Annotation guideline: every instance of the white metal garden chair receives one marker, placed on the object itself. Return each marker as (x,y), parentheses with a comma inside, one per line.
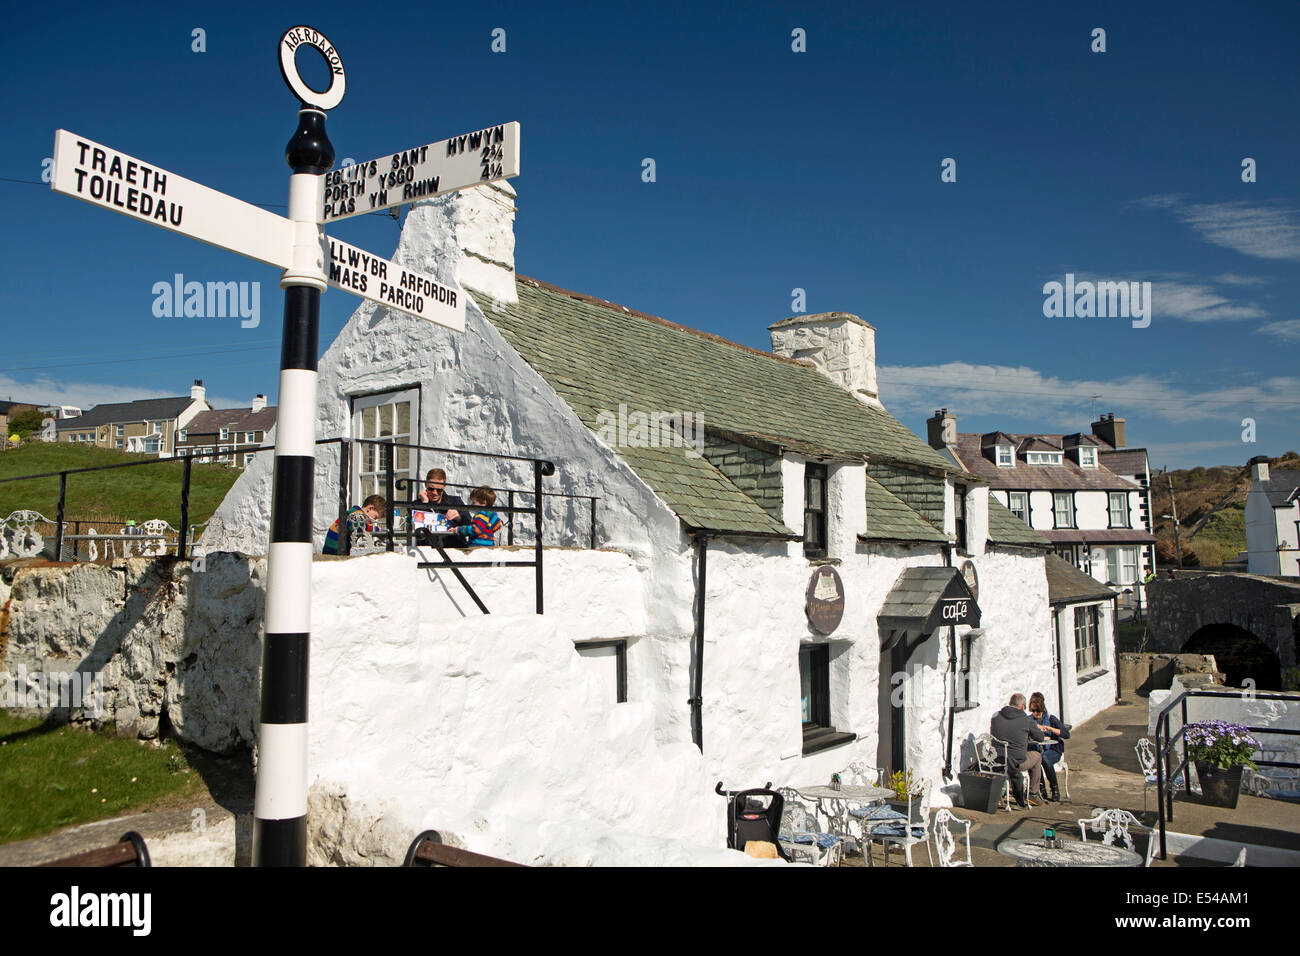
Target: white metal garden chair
(945,844)
(1146,754)
(905,833)
(991,757)
(802,836)
(1115,825)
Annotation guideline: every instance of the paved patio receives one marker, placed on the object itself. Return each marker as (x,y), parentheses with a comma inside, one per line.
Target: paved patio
(1104,773)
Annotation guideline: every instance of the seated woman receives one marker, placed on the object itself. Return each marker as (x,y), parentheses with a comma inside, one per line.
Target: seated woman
(1053,748)
(484,523)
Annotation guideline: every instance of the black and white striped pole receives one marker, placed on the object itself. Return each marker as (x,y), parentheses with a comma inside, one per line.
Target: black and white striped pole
(280,803)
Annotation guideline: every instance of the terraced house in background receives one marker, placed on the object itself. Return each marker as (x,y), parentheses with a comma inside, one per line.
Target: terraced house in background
(149,426)
(230,435)
(1088,494)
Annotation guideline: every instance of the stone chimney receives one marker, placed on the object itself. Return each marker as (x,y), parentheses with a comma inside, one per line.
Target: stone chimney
(1258,468)
(941,430)
(842,346)
(259,403)
(197,391)
(466,237)
(1110,430)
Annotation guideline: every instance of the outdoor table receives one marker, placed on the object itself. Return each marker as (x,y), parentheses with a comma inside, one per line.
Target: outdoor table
(846,794)
(1069,853)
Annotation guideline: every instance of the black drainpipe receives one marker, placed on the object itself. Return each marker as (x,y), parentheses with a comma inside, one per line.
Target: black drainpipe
(1060,670)
(952,671)
(697,694)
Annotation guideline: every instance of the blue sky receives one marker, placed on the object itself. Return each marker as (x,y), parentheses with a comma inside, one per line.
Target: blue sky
(775,171)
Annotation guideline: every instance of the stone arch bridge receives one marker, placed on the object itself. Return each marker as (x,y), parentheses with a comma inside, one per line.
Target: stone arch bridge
(1198,604)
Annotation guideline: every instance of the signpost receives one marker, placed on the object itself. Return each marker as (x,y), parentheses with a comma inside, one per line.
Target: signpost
(311,261)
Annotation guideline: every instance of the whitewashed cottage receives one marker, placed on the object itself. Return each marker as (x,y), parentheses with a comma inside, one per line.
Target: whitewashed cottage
(786,576)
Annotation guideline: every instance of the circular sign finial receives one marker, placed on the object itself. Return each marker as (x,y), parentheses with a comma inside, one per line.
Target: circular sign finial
(294,38)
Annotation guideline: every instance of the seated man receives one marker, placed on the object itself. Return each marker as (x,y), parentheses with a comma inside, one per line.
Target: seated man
(435,493)
(363,518)
(1015,728)
(484,523)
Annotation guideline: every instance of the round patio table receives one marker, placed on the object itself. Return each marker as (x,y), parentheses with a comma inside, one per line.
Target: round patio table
(1069,853)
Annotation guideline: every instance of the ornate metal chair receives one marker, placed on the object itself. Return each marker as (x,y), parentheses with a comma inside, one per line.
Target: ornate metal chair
(1146,754)
(945,845)
(991,756)
(1115,825)
(905,833)
(1272,781)
(18,534)
(802,837)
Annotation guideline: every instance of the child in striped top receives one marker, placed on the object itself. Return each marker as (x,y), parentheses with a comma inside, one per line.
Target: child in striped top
(484,522)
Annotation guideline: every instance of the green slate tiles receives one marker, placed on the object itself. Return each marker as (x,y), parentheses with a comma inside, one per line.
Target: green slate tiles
(1006,528)
(888,519)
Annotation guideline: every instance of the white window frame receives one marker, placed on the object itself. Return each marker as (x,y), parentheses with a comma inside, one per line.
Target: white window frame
(1005,452)
(1056,509)
(225,434)
(1011,504)
(1087,456)
(359,452)
(1124,509)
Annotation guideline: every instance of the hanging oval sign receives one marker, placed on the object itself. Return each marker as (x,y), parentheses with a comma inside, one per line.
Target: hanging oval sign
(825,600)
(972,579)
(294,38)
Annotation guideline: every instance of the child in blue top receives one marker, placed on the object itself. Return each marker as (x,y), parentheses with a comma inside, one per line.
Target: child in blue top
(484,523)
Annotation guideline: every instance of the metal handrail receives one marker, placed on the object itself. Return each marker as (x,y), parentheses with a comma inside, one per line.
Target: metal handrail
(1164,776)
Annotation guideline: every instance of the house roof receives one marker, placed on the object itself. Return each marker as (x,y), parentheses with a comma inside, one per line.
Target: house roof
(7,407)
(236,419)
(1006,528)
(1099,536)
(1066,584)
(145,410)
(1281,487)
(599,356)
(1022,476)
(1125,461)
(888,519)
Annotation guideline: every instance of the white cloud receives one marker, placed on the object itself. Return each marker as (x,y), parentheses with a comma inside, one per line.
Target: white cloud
(1288,331)
(1232,278)
(1263,231)
(1197,303)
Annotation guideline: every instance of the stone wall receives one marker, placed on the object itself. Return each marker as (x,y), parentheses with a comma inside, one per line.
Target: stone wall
(1181,603)
(921,492)
(1142,673)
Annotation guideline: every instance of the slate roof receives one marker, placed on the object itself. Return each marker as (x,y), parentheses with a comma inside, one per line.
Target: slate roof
(236,419)
(145,410)
(1006,528)
(888,519)
(1281,487)
(911,601)
(1066,584)
(1125,461)
(598,355)
(1021,476)
(1099,535)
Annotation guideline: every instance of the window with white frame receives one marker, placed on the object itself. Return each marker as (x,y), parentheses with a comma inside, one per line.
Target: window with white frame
(1122,565)
(1019,504)
(180,435)
(1063,508)
(1119,516)
(390,416)
(1005,457)
(1087,638)
(1043,457)
(1087,456)
(225,434)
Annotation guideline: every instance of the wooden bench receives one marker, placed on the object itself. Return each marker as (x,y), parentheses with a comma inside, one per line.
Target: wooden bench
(429,850)
(128,851)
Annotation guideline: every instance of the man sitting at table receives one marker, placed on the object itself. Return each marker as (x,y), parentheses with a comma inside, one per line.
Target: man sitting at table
(435,493)
(1015,728)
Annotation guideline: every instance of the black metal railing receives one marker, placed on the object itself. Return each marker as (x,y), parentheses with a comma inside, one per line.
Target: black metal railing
(60,520)
(1166,742)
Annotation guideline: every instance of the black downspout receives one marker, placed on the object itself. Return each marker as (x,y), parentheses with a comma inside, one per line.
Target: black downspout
(1060,670)
(697,694)
(952,670)
(1114,640)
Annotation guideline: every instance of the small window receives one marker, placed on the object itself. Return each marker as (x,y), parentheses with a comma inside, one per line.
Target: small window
(1119,517)
(959,510)
(1005,458)
(1087,456)
(225,434)
(1019,504)
(814,511)
(1087,647)
(1063,509)
(248,438)
(611,658)
(180,435)
(966,697)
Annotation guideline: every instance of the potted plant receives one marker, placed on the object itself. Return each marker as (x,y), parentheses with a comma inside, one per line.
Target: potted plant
(1219,750)
(907,789)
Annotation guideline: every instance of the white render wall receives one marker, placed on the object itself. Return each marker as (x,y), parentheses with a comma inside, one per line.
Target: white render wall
(1086,700)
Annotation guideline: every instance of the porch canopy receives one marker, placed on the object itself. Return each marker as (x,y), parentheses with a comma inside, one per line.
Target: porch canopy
(921,600)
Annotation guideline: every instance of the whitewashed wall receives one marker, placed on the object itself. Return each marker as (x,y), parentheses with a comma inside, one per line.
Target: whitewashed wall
(1086,700)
